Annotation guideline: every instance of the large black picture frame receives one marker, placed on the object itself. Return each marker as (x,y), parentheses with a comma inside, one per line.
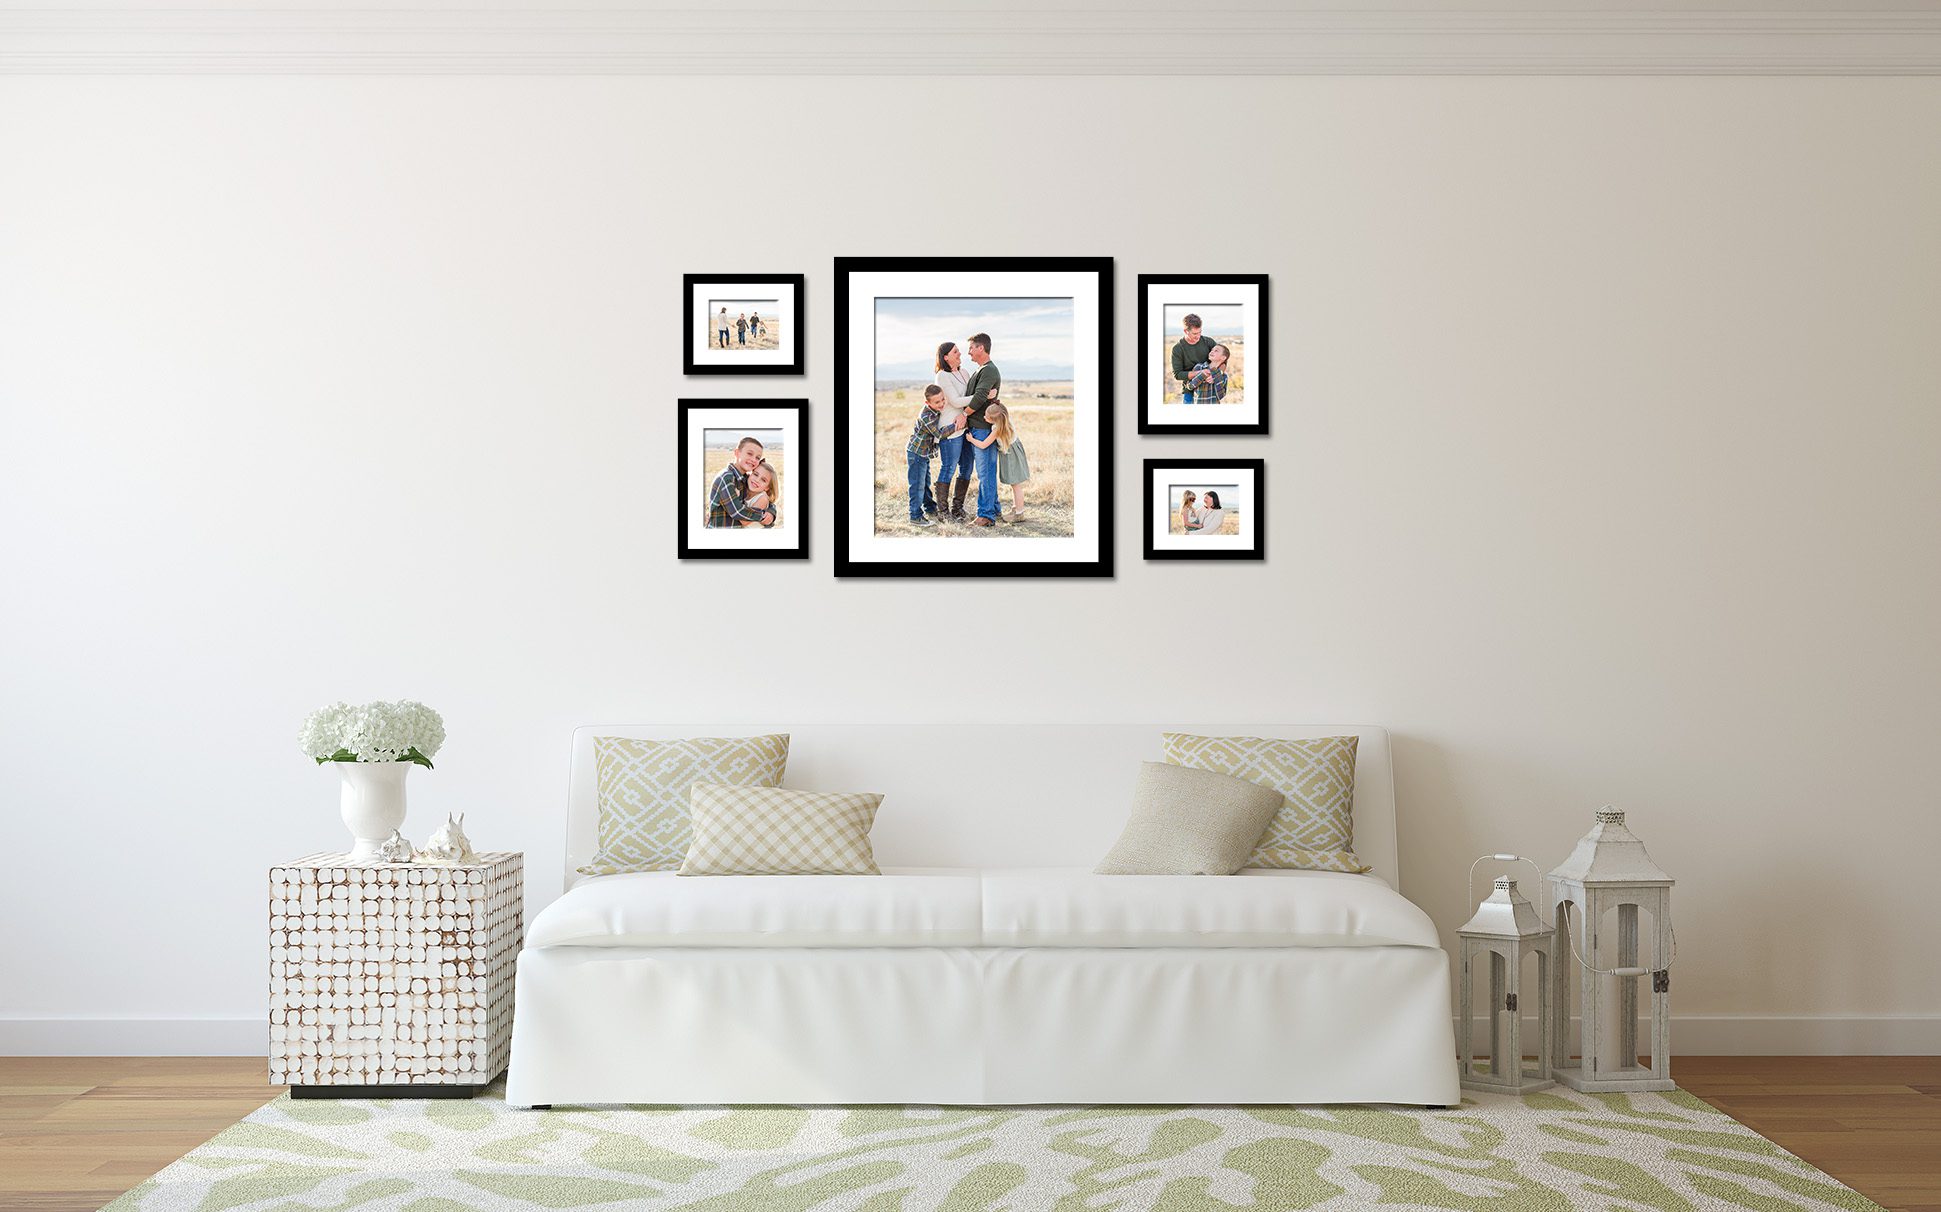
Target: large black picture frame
(1101,564)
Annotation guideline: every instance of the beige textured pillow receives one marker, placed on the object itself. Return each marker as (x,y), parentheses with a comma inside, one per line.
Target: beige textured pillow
(645,788)
(771,831)
(1315,827)
(1190,822)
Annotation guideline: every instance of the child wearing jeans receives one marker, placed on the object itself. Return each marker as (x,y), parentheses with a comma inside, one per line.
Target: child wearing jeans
(1208,382)
(923,444)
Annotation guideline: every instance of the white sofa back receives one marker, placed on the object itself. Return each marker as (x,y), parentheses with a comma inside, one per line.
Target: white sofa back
(1041,796)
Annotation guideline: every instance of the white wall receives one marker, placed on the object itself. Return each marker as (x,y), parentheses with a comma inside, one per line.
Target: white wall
(1603,469)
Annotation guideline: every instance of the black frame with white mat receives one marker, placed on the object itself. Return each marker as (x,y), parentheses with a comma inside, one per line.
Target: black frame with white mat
(1238,303)
(1245,480)
(699,357)
(788,538)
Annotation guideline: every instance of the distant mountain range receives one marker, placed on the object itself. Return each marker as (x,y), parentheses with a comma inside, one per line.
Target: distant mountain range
(1022,372)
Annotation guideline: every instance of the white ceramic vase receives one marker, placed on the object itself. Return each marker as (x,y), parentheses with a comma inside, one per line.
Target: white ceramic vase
(373,803)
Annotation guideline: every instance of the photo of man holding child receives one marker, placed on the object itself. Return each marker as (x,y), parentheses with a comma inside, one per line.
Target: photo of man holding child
(1203,354)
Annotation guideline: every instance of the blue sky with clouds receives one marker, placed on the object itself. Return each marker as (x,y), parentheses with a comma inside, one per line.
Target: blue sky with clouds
(1030,338)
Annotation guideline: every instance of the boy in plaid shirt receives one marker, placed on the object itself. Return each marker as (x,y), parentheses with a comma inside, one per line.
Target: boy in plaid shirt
(1208,382)
(728,495)
(923,444)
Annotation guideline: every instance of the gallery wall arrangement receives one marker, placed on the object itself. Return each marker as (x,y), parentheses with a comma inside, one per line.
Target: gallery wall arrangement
(973,416)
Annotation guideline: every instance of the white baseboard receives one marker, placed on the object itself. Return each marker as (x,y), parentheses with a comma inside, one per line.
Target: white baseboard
(1777,1035)
(134,1036)
(1691,1035)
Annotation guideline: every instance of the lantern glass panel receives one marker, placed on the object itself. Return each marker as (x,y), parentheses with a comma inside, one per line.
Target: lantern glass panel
(1626,937)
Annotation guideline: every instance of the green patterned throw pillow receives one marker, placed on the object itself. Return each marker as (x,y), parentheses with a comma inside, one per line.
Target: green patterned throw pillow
(645,789)
(770,831)
(1315,827)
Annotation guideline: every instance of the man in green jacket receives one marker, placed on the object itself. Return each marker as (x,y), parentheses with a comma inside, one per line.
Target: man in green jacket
(1191,350)
(982,390)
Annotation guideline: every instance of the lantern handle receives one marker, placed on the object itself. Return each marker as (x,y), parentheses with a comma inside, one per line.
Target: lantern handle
(1469,885)
(1563,925)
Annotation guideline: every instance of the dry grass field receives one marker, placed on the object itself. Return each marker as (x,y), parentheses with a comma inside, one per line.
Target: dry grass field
(1228,525)
(1042,415)
(716,459)
(771,337)
(1236,369)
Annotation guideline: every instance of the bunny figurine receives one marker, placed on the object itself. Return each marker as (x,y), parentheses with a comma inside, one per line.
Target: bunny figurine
(395,849)
(449,844)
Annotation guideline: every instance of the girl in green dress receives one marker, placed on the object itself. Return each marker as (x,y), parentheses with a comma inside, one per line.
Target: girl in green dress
(1013,467)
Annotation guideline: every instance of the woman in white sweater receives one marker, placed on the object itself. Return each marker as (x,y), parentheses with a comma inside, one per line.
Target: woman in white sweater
(957,456)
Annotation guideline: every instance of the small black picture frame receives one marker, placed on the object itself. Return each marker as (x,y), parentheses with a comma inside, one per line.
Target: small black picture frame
(695,473)
(1157,415)
(1248,475)
(700,356)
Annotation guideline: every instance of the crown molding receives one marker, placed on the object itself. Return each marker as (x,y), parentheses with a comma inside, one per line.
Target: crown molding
(798,37)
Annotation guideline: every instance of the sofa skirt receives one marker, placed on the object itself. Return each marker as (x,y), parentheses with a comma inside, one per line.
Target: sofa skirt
(981,1026)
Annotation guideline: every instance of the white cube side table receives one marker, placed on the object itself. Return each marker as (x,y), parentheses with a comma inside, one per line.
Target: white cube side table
(393,980)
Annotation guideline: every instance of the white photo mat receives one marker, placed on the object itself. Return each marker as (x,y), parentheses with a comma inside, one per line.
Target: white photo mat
(865,287)
(705,354)
(1162,295)
(1164,479)
(784,535)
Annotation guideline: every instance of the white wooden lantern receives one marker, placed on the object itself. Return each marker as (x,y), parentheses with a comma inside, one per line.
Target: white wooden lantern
(1597,896)
(1504,930)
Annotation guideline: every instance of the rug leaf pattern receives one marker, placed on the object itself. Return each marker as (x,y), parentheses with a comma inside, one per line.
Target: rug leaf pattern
(1550,1152)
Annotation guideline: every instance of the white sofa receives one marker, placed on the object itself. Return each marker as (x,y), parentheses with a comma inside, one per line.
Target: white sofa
(963,976)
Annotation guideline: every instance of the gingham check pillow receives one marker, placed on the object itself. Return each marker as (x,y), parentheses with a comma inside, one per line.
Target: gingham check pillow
(773,831)
(1315,827)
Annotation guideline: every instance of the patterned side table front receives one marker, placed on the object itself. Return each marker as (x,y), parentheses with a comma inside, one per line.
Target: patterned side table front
(392,979)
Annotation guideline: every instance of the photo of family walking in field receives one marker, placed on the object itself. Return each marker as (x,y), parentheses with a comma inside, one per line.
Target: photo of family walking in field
(974,417)
(743,324)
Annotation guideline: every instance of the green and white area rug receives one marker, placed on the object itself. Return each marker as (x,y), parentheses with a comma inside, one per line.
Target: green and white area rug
(1550,1151)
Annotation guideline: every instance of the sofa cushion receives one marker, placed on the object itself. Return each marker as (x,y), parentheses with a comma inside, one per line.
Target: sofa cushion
(960,907)
(646,787)
(1055,907)
(902,907)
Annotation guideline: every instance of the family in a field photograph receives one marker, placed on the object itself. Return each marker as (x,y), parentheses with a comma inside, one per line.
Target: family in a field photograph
(743,326)
(966,437)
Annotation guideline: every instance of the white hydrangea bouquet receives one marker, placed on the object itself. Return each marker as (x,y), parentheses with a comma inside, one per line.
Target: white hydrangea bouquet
(403,731)
(374,745)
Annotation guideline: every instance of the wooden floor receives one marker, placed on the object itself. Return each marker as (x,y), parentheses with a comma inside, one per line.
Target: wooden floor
(77,1131)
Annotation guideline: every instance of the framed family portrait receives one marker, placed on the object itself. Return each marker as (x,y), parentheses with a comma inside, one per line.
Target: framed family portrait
(743,324)
(744,479)
(973,416)
(1203,354)
(1206,509)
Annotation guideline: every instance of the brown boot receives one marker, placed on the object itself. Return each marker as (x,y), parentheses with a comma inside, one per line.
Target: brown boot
(943,499)
(957,500)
